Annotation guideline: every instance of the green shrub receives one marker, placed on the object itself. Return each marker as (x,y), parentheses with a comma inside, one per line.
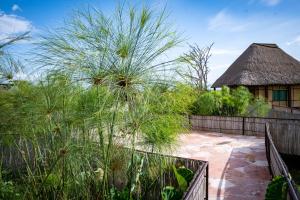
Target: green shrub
(183,96)
(92,100)
(205,104)
(226,102)
(242,98)
(259,108)
(170,193)
(8,190)
(277,189)
(183,176)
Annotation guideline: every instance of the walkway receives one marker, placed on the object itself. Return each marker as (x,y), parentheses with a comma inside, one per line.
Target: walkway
(238,169)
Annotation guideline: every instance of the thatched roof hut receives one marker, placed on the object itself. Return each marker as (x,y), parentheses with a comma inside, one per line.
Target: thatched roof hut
(268,72)
(261,64)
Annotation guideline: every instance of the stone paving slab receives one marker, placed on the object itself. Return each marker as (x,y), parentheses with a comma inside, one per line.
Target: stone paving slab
(238,168)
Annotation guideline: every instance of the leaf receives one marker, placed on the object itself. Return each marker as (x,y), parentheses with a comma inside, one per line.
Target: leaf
(168,192)
(186,173)
(180,179)
(276,189)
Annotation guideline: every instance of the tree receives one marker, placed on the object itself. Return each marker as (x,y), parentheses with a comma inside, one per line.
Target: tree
(197,66)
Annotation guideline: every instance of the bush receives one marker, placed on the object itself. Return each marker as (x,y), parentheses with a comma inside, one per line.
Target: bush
(258,108)
(226,102)
(207,103)
(182,97)
(277,189)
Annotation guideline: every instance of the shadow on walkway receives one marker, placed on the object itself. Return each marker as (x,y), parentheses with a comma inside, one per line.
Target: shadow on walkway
(245,175)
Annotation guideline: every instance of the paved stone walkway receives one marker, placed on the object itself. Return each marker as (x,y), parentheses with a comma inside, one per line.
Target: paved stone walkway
(238,169)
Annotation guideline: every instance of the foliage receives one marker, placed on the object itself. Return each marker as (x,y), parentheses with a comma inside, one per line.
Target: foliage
(277,189)
(101,89)
(119,195)
(183,176)
(226,102)
(182,97)
(170,193)
(259,107)
(7,188)
(207,103)
(241,100)
(182,182)
(186,173)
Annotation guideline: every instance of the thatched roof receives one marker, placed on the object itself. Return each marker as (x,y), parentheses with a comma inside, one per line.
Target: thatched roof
(261,64)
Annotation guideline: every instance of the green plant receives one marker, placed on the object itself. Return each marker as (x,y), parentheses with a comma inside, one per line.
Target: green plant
(182,96)
(182,182)
(119,195)
(183,176)
(170,193)
(207,103)
(259,108)
(242,99)
(8,191)
(99,84)
(229,102)
(186,173)
(277,189)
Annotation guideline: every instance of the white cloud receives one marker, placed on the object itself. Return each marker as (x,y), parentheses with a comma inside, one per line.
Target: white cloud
(294,41)
(12,24)
(224,21)
(16,7)
(271,2)
(265,2)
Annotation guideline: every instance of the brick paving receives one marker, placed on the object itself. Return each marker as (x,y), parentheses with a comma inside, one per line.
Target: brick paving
(238,169)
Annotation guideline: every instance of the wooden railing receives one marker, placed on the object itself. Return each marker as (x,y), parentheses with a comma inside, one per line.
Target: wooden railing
(198,188)
(278,167)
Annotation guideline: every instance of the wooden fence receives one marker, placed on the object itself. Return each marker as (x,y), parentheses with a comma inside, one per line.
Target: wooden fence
(278,167)
(285,132)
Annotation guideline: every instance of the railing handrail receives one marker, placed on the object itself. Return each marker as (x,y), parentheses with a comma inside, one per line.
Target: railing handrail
(283,168)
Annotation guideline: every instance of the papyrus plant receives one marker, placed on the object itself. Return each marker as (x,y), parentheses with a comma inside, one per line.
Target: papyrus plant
(116,59)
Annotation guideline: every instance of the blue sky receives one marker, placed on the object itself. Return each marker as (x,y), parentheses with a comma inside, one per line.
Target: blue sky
(231,24)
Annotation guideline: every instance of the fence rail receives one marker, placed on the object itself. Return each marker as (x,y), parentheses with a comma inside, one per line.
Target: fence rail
(277,166)
(284,131)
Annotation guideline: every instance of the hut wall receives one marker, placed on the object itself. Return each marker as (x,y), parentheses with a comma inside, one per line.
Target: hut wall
(261,92)
(258,92)
(295,95)
(277,103)
(266,92)
(270,95)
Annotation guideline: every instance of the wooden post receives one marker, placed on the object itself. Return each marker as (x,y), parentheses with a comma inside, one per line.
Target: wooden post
(207,180)
(289,97)
(266,94)
(243,125)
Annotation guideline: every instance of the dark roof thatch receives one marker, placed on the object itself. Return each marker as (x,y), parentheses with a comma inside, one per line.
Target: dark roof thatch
(261,64)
